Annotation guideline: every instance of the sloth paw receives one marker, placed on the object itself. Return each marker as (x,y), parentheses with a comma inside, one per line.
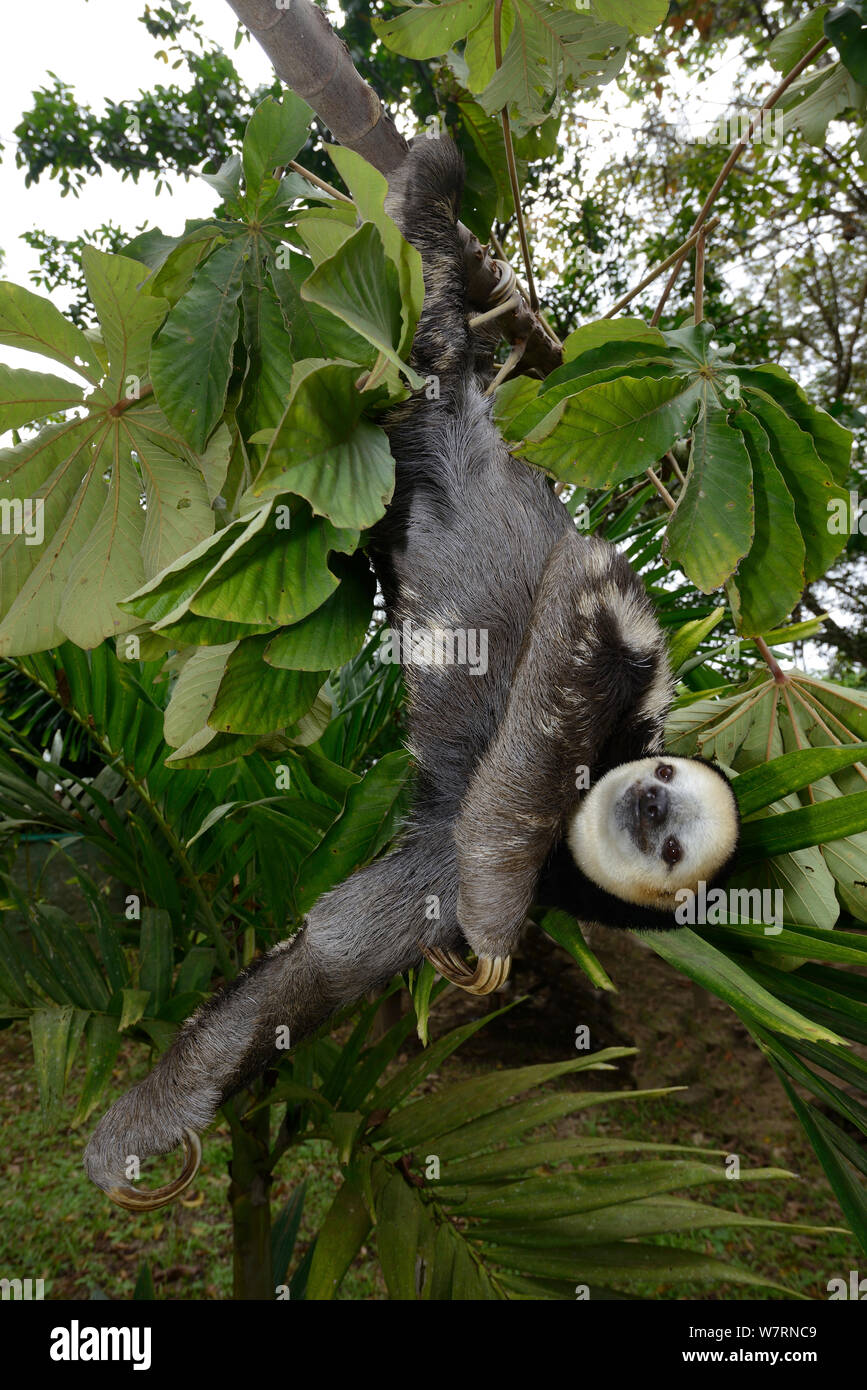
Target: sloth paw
(489,974)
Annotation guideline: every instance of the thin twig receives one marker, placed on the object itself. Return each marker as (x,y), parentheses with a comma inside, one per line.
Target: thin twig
(661,489)
(512,165)
(660,269)
(771,662)
(320,183)
(733,159)
(699,276)
(509,365)
(675,466)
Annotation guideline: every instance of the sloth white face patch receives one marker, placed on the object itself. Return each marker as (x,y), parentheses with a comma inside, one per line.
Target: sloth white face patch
(652,827)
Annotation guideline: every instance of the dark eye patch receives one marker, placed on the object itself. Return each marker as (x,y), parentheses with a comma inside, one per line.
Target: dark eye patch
(672,851)
(665,772)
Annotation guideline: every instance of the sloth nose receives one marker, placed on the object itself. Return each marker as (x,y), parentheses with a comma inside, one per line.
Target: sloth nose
(653,804)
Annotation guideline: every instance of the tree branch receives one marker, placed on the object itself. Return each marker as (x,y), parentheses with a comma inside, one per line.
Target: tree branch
(310,58)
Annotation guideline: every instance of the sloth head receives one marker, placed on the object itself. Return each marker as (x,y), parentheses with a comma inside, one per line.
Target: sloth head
(652,827)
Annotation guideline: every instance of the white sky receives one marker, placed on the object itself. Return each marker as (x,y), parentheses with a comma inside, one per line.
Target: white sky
(101,49)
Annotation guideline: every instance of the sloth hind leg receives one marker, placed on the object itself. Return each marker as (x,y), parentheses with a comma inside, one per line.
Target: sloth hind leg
(355,939)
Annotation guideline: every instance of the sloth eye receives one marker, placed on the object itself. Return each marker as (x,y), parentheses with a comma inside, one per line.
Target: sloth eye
(665,772)
(672,851)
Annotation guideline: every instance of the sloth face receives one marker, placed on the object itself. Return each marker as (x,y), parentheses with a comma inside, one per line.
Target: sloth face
(651,827)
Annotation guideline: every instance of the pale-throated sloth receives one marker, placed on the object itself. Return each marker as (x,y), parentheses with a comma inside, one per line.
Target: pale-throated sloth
(575,693)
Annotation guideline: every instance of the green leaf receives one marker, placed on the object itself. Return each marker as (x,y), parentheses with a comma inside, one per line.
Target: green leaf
(178,513)
(401,1219)
(620,333)
(542,1199)
(108,564)
(172,273)
(325,451)
(254,698)
(191,359)
(325,230)
(850,1194)
(546,47)
(686,639)
(157,956)
(790,45)
(166,597)
(364,828)
(27,396)
(770,579)
(814,100)
(226,181)
(340,1238)
(430,1118)
(712,526)
(128,314)
(194,975)
(50,1031)
(759,786)
(284,1234)
(811,825)
(833,443)
(567,933)
(278,575)
(619,1266)
(134,1002)
(33,577)
(194,693)
(428,30)
(369,189)
(807,478)
(422,983)
(313,332)
(359,284)
(32,323)
(334,632)
(723,977)
(613,430)
(845,26)
(641,16)
(275,133)
(103,1045)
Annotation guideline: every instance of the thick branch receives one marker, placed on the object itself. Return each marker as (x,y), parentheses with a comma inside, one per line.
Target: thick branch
(309,57)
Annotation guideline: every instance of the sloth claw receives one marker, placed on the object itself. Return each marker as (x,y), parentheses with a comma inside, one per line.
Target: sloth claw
(140,1199)
(489,974)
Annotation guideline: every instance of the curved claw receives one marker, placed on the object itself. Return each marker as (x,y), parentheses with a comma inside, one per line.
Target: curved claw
(489,974)
(140,1199)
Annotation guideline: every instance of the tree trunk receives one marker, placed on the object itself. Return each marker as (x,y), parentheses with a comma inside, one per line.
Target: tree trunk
(249,1198)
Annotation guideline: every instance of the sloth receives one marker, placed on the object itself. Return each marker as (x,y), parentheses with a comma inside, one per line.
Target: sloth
(541,779)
